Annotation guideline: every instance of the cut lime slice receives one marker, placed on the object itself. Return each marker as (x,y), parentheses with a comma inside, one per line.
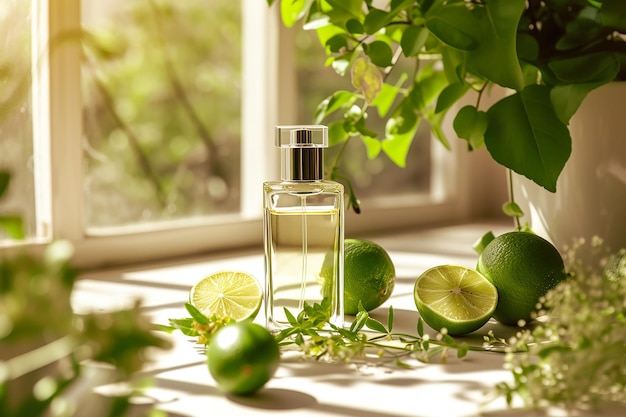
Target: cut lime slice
(232,294)
(455,297)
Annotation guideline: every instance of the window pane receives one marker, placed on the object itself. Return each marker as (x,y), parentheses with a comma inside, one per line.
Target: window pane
(372,179)
(162,109)
(16,133)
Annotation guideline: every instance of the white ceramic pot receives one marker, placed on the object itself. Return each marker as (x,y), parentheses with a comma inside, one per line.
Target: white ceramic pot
(591,191)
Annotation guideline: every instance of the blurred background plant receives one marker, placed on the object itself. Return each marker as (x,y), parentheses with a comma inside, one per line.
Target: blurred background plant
(162,123)
(50,356)
(48,353)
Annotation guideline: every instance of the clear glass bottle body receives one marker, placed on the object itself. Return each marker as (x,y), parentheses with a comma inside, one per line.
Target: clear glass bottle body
(304,235)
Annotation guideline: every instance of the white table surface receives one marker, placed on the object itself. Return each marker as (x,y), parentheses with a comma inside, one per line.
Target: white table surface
(184,387)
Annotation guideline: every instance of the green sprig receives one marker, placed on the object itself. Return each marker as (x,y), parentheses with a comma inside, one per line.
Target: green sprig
(315,336)
(312,333)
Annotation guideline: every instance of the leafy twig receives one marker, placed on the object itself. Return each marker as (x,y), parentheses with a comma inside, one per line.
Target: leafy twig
(313,334)
(316,337)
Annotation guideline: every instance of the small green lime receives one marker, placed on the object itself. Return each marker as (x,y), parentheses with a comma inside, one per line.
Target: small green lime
(369,275)
(242,357)
(523,267)
(455,297)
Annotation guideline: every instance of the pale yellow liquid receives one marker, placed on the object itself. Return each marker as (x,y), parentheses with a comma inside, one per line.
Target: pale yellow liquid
(299,243)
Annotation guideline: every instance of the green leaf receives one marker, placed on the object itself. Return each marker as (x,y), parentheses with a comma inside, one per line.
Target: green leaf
(427,87)
(367,78)
(396,146)
(436,121)
(185,325)
(413,40)
(348,8)
(454,64)
(450,95)
(482,243)
(290,317)
(385,99)
(454,24)
(403,365)
(461,350)
(498,21)
(293,10)
(336,133)
(420,327)
(380,53)
(613,14)
(359,322)
(374,324)
(375,20)
(5,178)
(600,67)
(13,226)
(566,99)
(372,146)
(578,33)
(527,47)
(333,103)
(337,43)
(196,314)
(324,33)
(355,27)
(390,318)
(526,135)
(512,209)
(486,32)
(470,124)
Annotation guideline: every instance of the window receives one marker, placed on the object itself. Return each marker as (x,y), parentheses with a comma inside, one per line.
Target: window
(16,145)
(152,128)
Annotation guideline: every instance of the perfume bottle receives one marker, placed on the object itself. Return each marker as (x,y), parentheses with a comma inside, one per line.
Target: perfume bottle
(304,230)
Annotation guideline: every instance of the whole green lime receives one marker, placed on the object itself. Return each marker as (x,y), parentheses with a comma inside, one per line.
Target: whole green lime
(369,275)
(242,357)
(523,267)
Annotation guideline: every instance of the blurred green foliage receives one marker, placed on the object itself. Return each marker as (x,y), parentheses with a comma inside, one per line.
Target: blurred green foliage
(162,96)
(47,350)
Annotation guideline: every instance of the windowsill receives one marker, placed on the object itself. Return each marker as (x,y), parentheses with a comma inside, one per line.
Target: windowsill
(184,387)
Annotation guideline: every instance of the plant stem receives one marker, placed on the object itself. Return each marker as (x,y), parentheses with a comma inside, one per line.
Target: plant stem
(512,197)
(335,164)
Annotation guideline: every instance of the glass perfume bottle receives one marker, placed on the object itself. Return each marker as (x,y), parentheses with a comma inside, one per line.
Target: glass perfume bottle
(304,231)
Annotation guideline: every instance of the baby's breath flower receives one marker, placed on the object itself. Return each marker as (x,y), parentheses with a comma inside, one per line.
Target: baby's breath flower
(574,358)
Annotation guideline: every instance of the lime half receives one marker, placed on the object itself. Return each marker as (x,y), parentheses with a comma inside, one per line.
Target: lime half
(232,294)
(455,297)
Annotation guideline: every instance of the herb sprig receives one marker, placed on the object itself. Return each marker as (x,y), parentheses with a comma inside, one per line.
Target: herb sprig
(198,325)
(314,336)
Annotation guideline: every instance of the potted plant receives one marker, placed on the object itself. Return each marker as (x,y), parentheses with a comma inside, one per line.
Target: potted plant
(549,54)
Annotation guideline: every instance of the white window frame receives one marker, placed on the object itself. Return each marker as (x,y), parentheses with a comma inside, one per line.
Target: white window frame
(268,99)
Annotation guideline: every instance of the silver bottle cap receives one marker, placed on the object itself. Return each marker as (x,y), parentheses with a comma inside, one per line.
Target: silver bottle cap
(302,151)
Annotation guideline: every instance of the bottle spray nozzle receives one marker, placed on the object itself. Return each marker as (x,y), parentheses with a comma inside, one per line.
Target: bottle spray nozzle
(302,157)
(301,135)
